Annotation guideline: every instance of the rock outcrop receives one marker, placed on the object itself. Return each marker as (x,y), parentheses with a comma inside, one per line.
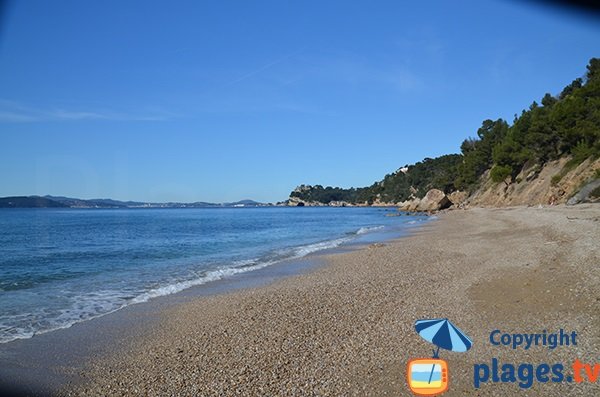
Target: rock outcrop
(551,184)
(556,182)
(458,198)
(409,205)
(586,193)
(298,202)
(434,200)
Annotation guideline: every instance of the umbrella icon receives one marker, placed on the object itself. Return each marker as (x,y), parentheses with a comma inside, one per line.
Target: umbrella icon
(442,333)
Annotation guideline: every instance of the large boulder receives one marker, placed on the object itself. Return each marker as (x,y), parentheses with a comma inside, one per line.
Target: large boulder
(409,205)
(434,200)
(585,194)
(414,204)
(458,197)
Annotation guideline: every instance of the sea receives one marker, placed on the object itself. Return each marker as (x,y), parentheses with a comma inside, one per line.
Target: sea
(59,267)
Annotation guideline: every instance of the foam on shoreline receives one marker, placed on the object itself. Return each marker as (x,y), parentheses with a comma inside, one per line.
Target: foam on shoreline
(94,305)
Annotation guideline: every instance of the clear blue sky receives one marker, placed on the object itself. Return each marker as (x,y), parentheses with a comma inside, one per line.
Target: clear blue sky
(225,100)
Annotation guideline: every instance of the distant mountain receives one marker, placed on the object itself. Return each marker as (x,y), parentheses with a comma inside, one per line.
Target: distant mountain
(71,202)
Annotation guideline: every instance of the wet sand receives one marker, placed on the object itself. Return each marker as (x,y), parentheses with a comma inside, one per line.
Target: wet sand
(348,328)
(51,361)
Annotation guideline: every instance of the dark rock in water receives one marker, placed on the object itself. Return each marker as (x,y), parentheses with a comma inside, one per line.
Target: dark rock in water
(583,196)
(300,204)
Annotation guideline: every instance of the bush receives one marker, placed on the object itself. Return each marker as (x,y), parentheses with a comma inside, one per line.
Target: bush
(499,173)
(580,152)
(595,193)
(555,179)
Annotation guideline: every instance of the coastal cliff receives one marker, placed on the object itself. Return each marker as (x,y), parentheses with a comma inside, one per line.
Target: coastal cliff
(557,182)
(554,183)
(548,155)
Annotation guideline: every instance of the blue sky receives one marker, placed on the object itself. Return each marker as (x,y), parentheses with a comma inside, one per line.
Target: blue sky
(225,100)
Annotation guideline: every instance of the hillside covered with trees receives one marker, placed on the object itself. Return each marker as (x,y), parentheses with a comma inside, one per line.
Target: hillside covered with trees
(567,124)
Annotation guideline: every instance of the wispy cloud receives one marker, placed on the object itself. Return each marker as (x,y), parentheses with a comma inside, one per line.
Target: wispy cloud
(354,71)
(262,68)
(331,69)
(16,112)
(248,105)
(14,117)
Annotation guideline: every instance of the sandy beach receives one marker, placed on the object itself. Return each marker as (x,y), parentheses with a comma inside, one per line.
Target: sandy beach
(347,328)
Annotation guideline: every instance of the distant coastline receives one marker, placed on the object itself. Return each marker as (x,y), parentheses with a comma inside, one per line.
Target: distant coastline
(70,202)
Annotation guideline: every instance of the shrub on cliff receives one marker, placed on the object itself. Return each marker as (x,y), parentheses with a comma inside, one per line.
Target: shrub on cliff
(563,125)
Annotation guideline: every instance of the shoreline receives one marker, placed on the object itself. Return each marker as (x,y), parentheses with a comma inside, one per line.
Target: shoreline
(201,270)
(50,361)
(53,360)
(347,328)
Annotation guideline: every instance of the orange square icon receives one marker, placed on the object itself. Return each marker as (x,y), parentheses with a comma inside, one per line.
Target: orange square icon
(427,376)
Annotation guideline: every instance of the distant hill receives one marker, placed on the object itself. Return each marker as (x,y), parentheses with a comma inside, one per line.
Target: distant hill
(244,203)
(93,203)
(71,202)
(29,202)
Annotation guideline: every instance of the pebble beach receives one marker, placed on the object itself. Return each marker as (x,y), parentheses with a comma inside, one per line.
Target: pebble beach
(347,328)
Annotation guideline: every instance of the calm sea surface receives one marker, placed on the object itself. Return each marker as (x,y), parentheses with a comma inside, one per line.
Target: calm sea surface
(62,266)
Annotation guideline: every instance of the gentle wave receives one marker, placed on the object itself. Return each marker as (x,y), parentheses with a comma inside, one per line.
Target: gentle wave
(310,248)
(90,306)
(246,265)
(213,275)
(364,230)
(101,303)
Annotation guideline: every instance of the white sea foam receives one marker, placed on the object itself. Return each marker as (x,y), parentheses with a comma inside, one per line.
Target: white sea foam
(246,265)
(212,275)
(310,248)
(364,230)
(85,307)
(91,305)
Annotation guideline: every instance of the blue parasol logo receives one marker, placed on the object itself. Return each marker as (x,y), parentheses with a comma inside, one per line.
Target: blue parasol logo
(442,333)
(428,377)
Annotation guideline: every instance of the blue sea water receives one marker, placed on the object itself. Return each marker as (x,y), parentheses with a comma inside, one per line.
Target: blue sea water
(62,266)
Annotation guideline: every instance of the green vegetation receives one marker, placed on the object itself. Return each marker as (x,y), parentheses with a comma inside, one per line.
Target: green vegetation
(555,179)
(328,194)
(563,125)
(478,153)
(500,173)
(438,173)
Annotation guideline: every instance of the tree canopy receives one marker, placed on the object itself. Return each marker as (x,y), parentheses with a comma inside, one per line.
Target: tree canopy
(564,125)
